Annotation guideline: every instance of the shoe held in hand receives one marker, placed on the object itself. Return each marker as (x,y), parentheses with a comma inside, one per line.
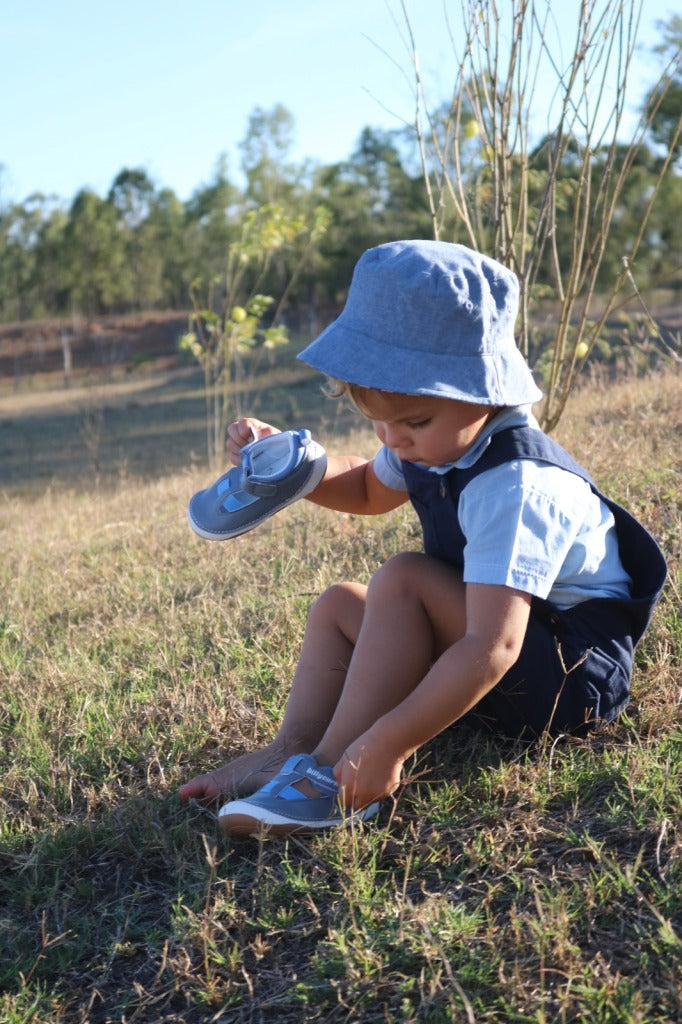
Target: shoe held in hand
(274,472)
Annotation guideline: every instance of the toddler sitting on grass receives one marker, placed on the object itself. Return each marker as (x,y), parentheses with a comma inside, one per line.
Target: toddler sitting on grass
(523,611)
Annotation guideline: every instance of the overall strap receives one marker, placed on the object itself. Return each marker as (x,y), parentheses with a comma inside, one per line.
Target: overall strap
(523,443)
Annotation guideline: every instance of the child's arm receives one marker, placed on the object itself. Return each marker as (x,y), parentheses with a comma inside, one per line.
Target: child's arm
(497,618)
(349,484)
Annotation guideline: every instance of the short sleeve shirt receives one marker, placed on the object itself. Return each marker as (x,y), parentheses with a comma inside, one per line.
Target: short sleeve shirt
(530,525)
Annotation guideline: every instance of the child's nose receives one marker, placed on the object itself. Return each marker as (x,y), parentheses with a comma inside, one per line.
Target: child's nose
(393,436)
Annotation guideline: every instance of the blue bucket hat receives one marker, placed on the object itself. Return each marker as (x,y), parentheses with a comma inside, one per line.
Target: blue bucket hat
(429,318)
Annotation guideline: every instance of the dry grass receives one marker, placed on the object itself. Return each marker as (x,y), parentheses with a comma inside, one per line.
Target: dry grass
(504,886)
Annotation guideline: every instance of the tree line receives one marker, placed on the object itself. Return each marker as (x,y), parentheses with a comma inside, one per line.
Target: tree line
(141,248)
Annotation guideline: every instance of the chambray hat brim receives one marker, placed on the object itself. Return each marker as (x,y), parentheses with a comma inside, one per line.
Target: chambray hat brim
(429,318)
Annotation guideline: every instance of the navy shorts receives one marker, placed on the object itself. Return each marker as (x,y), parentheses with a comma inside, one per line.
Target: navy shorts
(573,673)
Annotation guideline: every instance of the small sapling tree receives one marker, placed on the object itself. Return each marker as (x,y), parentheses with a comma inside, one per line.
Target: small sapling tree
(234,323)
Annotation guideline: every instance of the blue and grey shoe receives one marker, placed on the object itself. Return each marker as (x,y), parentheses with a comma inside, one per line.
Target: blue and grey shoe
(274,472)
(278,808)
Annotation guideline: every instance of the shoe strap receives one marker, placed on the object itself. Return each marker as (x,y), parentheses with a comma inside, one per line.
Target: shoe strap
(320,780)
(258,488)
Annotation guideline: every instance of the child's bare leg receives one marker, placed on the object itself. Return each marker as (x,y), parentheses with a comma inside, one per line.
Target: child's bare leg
(415,610)
(333,626)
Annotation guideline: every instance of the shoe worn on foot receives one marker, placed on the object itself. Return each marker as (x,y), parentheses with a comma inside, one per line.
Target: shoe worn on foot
(278,808)
(274,472)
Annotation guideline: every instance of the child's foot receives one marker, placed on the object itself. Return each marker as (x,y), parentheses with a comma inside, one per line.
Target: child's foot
(280,807)
(239,777)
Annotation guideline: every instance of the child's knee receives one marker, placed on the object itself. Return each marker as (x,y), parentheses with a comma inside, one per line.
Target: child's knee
(396,576)
(334,603)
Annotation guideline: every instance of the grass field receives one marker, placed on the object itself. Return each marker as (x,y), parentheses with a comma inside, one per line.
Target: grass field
(502,886)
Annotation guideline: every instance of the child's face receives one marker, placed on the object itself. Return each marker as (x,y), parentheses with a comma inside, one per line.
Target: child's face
(419,428)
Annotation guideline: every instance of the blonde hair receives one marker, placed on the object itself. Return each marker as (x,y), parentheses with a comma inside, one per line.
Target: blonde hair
(357,393)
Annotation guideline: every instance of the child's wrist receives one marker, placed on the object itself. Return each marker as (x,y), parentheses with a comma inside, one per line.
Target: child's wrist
(384,736)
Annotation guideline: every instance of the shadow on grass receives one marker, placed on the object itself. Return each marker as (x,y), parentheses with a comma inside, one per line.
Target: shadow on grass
(104,917)
(145,908)
(146,914)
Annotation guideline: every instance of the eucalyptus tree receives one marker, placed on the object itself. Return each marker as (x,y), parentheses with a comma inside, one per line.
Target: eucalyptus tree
(663,107)
(30,253)
(51,280)
(274,180)
(168,223)
(372,198)
(665,99)
(132,196)
(210,222)
(270,175)
(99,278)
(16,261)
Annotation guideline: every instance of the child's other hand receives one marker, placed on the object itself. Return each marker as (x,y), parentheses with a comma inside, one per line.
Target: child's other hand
(244,430)
(365,773)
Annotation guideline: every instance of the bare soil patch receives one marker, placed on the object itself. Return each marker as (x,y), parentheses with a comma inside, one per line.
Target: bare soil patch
(42,348)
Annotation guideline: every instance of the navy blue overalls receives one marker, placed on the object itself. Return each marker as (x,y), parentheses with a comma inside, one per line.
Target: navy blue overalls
(575,665)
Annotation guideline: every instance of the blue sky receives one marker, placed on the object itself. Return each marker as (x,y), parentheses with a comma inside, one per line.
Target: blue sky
(88,88)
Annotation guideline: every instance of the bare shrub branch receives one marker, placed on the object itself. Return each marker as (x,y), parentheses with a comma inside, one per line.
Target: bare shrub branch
(497,183)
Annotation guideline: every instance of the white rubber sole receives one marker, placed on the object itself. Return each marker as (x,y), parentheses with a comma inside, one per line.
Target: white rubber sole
(240,820)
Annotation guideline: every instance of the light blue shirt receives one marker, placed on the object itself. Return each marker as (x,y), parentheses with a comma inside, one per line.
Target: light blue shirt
(530,525)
